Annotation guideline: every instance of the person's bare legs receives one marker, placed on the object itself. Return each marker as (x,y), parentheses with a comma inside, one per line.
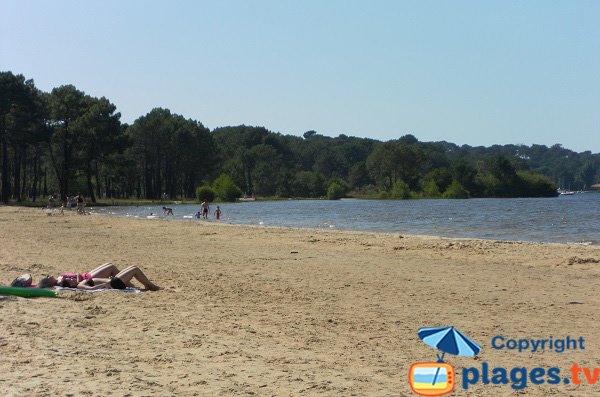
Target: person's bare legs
(135,272)
(106,270)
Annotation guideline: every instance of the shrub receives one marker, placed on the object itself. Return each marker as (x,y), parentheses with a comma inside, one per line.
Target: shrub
(400,190)
(335,191)
(455,191)
(440,176)
(535,185)
(368,191)
(431,190)
(308,184)
(226,189)
(490,185)
(205,193)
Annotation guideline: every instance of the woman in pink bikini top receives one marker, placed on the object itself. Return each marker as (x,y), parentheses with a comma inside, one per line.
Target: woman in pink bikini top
(72,280)
(104,276)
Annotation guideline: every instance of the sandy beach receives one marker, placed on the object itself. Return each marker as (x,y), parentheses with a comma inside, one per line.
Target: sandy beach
(281,312)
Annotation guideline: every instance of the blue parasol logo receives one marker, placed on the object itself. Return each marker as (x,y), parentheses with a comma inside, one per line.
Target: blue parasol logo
(437,378)
(449,340)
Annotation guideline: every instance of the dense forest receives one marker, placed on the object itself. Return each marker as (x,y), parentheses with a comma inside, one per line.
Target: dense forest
(66,141)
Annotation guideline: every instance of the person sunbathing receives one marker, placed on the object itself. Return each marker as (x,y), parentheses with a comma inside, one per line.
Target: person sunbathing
(104,276)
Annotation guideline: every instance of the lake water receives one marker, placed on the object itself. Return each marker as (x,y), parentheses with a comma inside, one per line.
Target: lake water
(574,219)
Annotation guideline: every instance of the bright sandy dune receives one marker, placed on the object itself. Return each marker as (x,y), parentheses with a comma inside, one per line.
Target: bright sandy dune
(280,312)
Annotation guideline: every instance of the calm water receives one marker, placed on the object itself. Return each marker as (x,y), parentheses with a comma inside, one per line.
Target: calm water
(562,219)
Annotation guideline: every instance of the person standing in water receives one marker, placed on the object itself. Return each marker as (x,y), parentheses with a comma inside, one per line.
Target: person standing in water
(218,213)
(80,204)
(204,207)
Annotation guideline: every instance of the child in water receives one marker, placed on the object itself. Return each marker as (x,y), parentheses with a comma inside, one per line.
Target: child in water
(218,213)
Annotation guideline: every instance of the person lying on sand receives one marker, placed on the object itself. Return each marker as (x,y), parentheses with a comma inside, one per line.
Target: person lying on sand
(104,276)
(23,281)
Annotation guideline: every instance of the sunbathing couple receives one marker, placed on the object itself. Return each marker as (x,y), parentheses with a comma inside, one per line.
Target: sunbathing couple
(102,277)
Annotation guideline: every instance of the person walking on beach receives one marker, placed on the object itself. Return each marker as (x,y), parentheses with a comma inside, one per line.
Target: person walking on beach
(218,213)
(204,207)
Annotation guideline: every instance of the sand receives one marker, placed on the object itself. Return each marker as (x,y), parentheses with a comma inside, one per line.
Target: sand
(281,312)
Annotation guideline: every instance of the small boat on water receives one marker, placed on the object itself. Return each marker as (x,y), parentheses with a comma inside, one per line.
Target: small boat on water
(564,192)
(247,199)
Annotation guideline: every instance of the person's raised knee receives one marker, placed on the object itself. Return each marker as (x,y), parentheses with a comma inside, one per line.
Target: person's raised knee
(131,268)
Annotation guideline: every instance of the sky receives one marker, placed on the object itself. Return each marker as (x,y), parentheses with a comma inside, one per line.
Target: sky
(467,72)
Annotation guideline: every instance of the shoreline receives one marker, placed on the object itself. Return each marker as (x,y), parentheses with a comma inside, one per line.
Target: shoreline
(340,230)
(249,309)
(454,221)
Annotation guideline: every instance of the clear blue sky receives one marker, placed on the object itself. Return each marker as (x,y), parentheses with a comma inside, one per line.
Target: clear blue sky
(468,72)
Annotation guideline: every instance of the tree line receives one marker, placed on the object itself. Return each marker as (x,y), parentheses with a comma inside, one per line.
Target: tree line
(66,141)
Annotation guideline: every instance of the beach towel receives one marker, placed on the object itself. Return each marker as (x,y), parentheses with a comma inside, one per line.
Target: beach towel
(130,290)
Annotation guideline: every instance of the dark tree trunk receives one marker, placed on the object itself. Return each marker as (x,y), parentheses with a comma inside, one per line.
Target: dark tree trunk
(5,178)
(17,174)
(157,177)
(24,166)
(147,178)
(45,185)
(98,179)
(64,188)
(90,185)
(107,187)
(34,189)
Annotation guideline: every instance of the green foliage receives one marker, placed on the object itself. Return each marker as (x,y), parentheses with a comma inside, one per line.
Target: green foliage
(408,139)
(358,175)
(400,190)
(393,161)
(225,189)
(455,191)
(535,185)
(173,154)
(66,140)
(336,191)
(365,192)
(490,185)
(205,193)
(465,174)
(440,176)
(308,184)
(431,190)
(501,168)
(435,182)
(67,107)
(501,179)
(22,126)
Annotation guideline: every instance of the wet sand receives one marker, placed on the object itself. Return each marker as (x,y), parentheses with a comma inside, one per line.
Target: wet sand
(281,312)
